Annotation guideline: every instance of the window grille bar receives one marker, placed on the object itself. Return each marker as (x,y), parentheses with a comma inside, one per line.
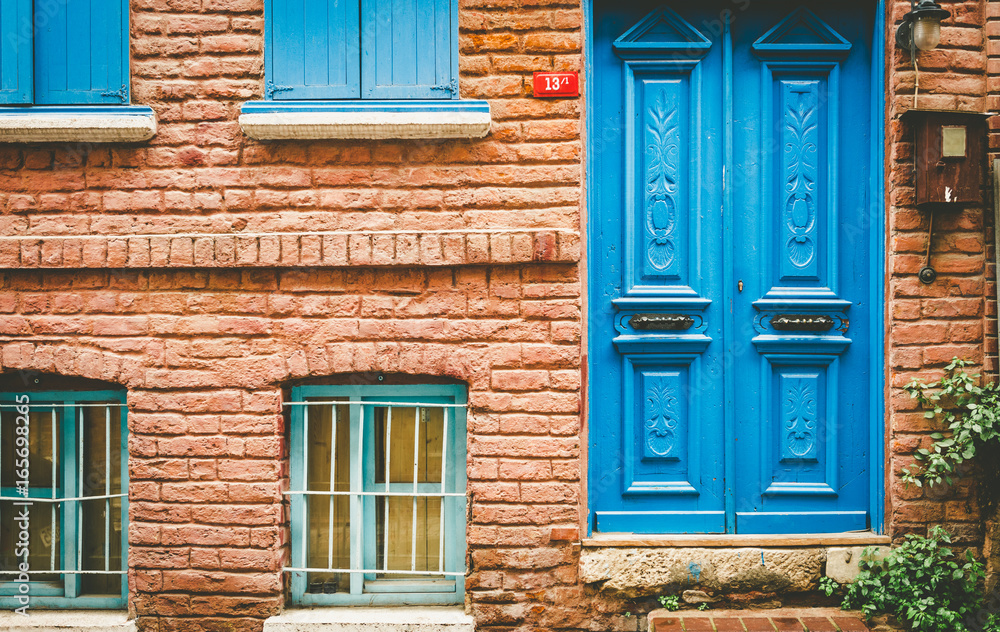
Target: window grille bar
(72,500)
(74,405)
(444,469)
(52,507)
(357,571)
(356,528)
(333,474)
(305,481)
(107,487)
(78,515)
(416,468)
(355,402)
(385,501)
(63,571)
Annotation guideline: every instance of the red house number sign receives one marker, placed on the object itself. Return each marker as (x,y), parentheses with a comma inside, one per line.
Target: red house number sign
(556,84)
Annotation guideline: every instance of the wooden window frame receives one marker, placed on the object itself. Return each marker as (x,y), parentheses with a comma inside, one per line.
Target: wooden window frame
(362,74)
(66,408)
(361,402)
(29,53)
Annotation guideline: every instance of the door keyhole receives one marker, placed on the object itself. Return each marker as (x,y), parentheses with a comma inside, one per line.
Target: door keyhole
(740,285)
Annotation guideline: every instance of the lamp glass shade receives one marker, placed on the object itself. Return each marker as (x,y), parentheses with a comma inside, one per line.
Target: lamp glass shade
(926,33)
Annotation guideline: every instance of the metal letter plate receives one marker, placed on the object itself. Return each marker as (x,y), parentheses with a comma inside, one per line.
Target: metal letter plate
(802,322)
(661,322)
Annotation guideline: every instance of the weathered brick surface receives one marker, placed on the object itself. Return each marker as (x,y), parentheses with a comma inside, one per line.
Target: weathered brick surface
(928,325)
(203,271)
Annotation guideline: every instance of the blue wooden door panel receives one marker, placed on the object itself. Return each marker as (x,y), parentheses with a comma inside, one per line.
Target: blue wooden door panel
(410,49)
(81,52)
(768,523)
(657,422)
(16,57)
(683,96)
(313,49)
(802,427)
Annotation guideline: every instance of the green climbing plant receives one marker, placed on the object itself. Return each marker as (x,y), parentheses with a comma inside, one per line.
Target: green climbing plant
(971,415)
(924,584)
(828,586)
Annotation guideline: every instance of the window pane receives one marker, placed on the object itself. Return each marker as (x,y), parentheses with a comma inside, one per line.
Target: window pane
(101,542)
(41,446)
(43,538)
(329,516)
(411,544)
(43,524)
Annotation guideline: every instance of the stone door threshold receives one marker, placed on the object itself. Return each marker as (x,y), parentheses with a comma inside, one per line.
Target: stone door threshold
(779,620)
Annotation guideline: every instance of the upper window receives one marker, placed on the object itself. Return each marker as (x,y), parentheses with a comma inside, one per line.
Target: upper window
(63,52)
(63,500)
(361,49)
(378,494)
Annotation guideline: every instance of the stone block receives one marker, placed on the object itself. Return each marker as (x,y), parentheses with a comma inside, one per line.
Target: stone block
(642,572)
(842,563)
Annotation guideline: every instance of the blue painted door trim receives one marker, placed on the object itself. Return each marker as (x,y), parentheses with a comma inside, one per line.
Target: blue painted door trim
(600,136)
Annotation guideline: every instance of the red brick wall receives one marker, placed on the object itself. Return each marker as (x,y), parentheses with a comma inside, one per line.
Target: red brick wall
(928,325)
(205,352)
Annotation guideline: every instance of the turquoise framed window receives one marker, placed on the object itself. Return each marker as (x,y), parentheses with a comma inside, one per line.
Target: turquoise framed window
(378,494)
(361,49)
(64,52)
(63,499)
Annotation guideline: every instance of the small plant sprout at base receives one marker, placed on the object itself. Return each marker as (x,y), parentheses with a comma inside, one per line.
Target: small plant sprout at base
(670,602)
(828,586)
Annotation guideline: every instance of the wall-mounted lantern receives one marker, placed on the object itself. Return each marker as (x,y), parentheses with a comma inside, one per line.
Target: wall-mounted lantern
(921,27)
(949,151)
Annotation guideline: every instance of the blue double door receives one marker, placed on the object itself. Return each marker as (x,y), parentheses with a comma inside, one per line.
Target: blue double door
(734,269)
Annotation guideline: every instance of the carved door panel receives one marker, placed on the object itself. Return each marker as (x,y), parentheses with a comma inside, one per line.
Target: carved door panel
(802,146)
(730,270)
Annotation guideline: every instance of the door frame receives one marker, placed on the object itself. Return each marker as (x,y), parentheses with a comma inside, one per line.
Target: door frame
(876,213)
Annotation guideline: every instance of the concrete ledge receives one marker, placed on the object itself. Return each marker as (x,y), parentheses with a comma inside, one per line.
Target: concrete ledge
(385,619)
(99,124)
(374,120)
(286,250)
(67,621)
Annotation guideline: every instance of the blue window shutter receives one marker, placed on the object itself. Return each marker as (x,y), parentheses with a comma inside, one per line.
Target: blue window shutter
(410,49)
(312,49)
(81,52)
(16,43)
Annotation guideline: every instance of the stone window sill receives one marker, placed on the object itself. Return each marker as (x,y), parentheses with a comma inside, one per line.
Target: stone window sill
(365,120)
(67,621)
(82,124)
(409,619)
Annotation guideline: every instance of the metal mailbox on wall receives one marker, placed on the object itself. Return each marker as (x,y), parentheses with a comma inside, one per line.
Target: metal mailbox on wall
(950,153)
